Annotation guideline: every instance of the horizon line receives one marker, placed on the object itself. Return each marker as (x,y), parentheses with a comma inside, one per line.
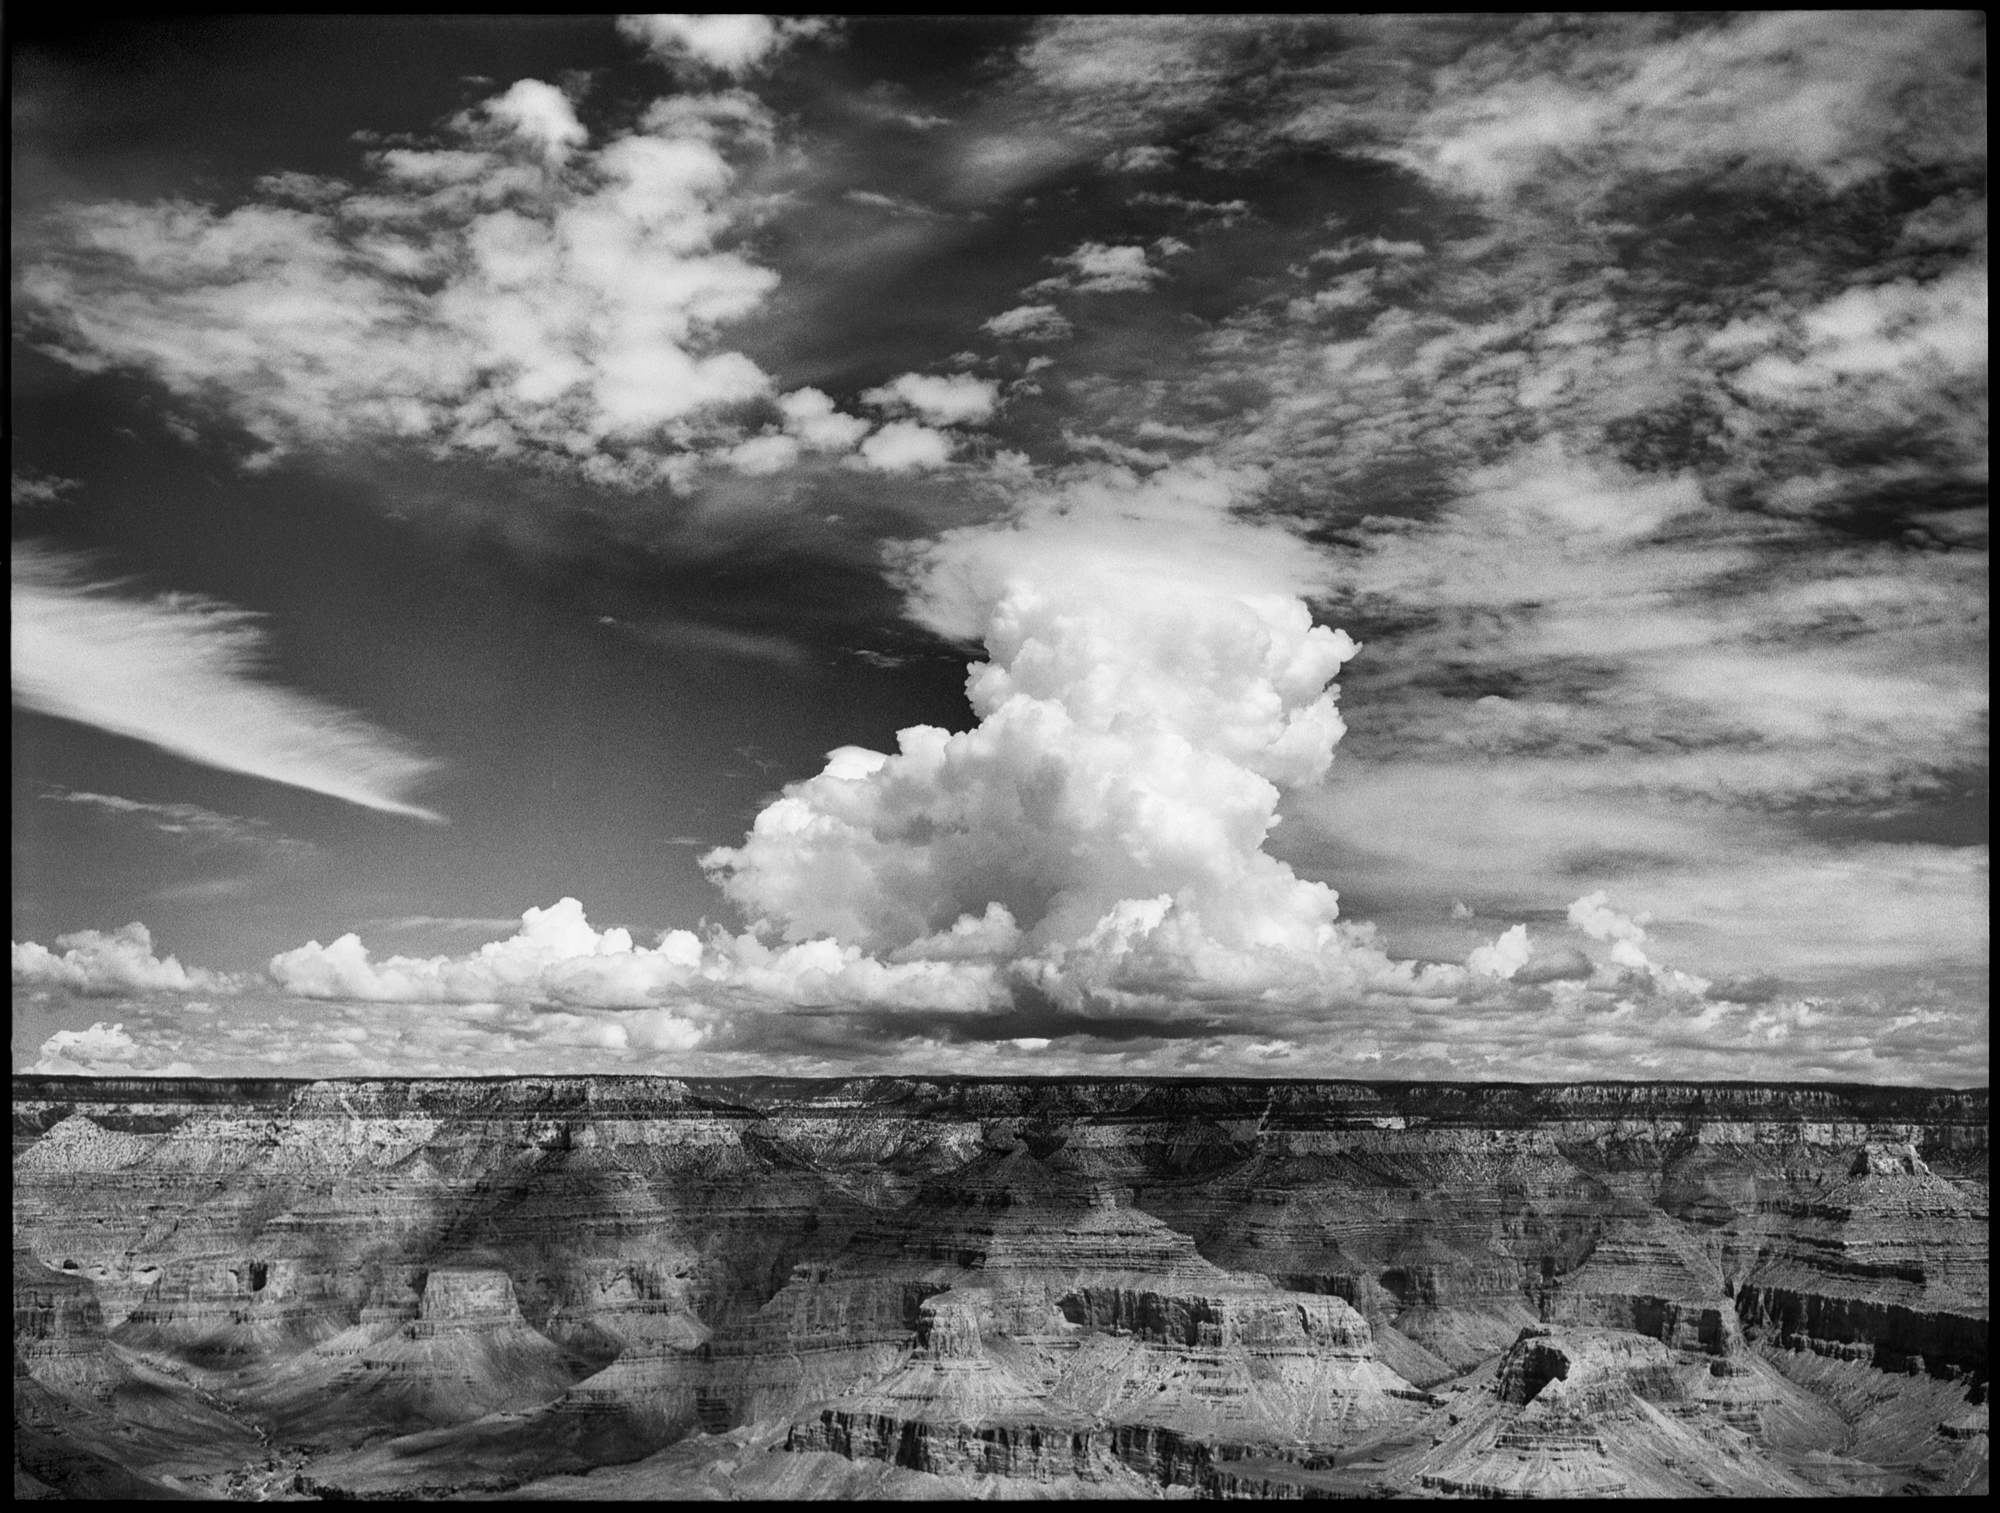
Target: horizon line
(1051,1079)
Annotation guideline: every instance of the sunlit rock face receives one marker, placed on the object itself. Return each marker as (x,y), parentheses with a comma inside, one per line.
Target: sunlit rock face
(907,1287)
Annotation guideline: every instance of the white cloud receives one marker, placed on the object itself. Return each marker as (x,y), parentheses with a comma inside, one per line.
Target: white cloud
(511,292)
(1565,1030)
(100,1051)
(1141,159)
(1733,890)
(1594,915)
(1152,682)
(812,418)
(1118,70)
(897,205)
(1612,642)
(1101,268)
(1823,91)
(37,490)
(1370,246)
(542,114)
(1222,212)
(177,672)
(735,44)
(191,823)
(764,454)
(903,446)
(1491,104)
(1029,323)
(1505,956)
(100,964)
(1895,333)
(557,959)
(941,400)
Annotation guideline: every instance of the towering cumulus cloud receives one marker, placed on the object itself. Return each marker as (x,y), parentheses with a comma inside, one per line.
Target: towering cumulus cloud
(1153,681)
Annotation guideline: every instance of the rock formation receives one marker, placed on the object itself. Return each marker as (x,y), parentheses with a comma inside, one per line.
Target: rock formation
(908,1287)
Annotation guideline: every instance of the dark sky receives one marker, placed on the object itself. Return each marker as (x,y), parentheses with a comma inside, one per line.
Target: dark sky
(466,464)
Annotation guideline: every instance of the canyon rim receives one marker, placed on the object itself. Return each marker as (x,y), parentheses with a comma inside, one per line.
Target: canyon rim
(902,1287)
(1101,756)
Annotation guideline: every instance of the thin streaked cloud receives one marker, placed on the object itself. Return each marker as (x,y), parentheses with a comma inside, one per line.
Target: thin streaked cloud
(180,673)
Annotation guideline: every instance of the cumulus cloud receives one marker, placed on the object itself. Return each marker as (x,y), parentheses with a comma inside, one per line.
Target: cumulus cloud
(940,400)
(178,672)
(734,44)
(510,291)
(1153,683)
(555,956)
(811,416)
(903,446)
(558,959)
(1101,268)
(1029,323)
(101,964)
(764,454)
(100,1051)
(539,113)
(1593,915)
(1505,957)
(822,1008)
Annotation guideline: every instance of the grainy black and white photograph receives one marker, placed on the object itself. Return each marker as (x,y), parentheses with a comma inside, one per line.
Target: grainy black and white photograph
(1107,756)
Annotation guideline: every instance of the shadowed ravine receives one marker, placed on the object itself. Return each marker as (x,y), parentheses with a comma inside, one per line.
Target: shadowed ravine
(764,1287)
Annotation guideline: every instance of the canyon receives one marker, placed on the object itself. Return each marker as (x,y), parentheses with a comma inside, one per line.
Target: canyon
(615,1287)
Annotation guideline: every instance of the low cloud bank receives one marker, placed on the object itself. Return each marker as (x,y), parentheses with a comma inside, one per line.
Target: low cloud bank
(99,963)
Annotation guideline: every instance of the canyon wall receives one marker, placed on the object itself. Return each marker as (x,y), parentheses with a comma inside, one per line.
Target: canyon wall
(777,1286)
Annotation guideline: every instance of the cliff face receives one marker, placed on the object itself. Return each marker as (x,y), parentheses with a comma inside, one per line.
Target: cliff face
(1263,1288)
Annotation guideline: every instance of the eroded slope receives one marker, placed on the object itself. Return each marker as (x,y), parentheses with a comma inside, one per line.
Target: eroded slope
(769,1287)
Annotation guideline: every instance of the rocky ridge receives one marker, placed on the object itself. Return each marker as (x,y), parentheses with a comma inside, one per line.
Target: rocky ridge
(1068,1288)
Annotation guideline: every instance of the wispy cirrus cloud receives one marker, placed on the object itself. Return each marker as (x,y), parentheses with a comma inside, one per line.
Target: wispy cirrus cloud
(191,823)
(180,673)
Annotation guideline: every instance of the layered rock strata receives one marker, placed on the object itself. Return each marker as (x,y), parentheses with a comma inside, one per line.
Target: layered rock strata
(1230,1287)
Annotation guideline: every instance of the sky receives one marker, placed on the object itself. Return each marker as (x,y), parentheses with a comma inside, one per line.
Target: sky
(1397,547)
